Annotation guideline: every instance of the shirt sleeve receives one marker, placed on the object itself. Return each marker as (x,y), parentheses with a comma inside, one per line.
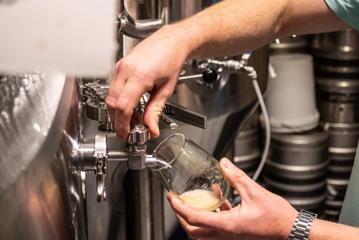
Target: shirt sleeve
(347,10)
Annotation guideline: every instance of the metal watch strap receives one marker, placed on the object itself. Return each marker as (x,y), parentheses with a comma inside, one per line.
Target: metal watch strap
(302,225)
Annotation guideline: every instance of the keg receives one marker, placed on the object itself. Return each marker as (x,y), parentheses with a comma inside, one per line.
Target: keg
(342,45)
(314,203)
(340,165)
(335,68)
(342,137)
(308,148)
(336,54)
(343,140)
(247,152)
(297,168)
(332,210)
(293,44)
(338,100)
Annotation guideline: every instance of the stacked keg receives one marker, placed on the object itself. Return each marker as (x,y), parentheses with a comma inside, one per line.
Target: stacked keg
(247,146)
(337,82)
(336,54)
(246,150)
(297,164)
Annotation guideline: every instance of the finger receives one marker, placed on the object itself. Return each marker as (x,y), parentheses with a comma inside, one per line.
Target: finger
(155,107)
(118,81)
(198,218)
(237,178)
(195,232)
(225,206)
(126,102)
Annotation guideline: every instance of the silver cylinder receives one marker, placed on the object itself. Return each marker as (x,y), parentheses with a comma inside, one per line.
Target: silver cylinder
(297,168)
(338,100)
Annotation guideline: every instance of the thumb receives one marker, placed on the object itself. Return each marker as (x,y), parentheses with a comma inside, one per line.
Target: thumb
(236,178)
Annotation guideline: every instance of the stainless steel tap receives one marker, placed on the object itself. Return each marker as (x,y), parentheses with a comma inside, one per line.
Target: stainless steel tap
(94,154)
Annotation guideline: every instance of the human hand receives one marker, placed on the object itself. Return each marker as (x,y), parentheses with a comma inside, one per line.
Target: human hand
(152,66)
(260,215)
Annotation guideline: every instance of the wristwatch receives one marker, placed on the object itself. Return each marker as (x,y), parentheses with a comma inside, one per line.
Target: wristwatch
(302,225)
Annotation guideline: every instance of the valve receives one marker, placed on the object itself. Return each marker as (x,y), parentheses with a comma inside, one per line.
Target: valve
(137,146)
(210,75)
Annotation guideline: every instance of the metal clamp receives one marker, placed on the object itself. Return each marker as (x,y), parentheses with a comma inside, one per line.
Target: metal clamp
(101,166)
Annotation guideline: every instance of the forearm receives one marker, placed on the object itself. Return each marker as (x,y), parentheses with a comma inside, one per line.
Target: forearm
(234,26)
(323,230)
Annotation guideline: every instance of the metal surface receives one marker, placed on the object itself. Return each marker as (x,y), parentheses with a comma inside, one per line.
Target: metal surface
(226,106)
(342,135)
(338,100)
(342,45)
(95,92)
(144,201)
(309,148)
(293,44)
(140,19)
(332,68)
(137,143)
(309,203)
(297,168)
(186,8)
(185,115)
(41,196)
(247,150)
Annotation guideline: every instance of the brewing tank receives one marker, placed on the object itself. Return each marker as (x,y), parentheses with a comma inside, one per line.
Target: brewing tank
(40,196)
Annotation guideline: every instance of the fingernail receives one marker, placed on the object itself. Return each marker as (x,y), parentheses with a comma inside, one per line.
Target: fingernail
(169,196)
(227,164)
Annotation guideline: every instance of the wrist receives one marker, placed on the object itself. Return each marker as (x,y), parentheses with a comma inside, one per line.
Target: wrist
(286,223)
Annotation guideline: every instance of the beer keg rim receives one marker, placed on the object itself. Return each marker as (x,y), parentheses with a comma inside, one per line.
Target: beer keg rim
(298,168)
(302,138)
(338,85)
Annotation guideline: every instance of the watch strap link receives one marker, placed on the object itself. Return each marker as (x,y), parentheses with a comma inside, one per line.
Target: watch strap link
(302,225)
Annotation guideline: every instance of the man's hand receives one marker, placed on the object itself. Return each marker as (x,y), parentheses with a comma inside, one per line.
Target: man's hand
(261,214)
(152,66)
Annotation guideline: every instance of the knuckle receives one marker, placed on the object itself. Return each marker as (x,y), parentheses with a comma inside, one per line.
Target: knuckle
(122,105)
(109,102)
(121,64)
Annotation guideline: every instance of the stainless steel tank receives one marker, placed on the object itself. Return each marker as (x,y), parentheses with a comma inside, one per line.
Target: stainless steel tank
(226,106)
(40,195)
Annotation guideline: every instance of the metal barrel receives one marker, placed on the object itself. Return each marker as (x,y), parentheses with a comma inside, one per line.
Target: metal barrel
(338,100)
(343,139)
(337,53)
(247,146)
(297,168)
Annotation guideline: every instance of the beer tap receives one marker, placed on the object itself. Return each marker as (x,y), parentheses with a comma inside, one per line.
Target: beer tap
(93,155)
